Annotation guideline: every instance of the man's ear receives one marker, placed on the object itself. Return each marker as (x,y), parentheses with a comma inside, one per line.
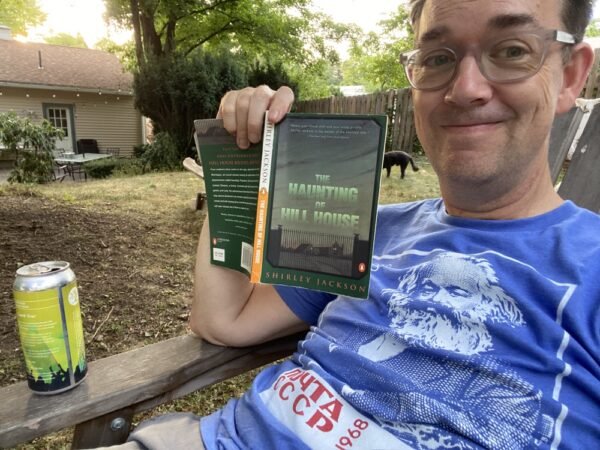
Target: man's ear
(575,73)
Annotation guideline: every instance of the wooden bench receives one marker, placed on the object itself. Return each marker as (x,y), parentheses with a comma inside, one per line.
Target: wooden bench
(119,386)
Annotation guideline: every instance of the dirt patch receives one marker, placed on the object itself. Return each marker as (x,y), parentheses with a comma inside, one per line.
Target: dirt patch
(134,274)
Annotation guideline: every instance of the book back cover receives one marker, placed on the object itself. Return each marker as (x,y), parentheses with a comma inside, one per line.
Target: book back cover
(231,179)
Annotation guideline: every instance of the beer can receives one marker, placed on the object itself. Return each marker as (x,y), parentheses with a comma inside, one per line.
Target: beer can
(50,326)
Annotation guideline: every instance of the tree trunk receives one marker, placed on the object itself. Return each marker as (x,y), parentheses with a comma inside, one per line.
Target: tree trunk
(135,21)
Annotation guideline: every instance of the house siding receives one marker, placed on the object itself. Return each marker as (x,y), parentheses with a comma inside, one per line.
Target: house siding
(110,119)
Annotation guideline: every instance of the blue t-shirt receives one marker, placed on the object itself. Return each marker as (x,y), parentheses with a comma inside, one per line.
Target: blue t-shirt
(476,334)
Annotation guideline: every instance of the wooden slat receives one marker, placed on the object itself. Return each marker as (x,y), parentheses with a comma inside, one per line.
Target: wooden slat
(563,131)
(591,86)
(126,379)
(582,180)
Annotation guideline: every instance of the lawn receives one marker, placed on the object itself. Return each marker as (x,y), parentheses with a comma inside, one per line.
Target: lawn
(131,242)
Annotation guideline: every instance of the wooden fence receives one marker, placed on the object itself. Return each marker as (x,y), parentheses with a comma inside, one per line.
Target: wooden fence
(592,86)
(397,104)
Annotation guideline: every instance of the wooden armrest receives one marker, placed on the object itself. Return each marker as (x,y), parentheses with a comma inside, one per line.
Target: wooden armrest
(127,383)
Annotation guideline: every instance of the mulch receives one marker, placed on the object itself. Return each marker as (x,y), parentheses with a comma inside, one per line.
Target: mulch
(135,278)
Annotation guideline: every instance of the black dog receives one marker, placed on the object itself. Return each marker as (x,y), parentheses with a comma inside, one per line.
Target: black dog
(398,158)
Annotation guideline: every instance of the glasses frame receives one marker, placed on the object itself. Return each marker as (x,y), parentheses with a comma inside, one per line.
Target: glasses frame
(548,36)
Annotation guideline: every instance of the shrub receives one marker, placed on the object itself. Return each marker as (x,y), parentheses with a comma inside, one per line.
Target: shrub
(161,155)
(33,145)
(104,168)
(129,168)
(101,168)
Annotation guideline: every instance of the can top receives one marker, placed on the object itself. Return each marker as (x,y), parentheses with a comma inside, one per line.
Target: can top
(42,268)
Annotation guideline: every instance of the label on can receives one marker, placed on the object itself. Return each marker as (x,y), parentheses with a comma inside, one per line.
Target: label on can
(52,339)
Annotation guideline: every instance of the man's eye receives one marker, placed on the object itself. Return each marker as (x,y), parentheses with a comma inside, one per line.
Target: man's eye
(437,60)
(510,51)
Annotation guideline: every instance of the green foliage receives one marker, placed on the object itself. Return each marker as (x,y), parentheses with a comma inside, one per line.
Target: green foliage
(20,15)
(33,145)
(125,52)
(319,79)
(172,93)
(273,75)
(287,28)
(129,168)
(101,168)
(374,60)
(32,167)
(593,29)
(269,31)
(187,54)
(161,155)
(119,167)
(66,40)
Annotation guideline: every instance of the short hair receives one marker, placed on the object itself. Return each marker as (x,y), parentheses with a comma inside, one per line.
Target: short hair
(575,15)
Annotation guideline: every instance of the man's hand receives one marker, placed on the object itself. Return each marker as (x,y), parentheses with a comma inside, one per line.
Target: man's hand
(227,308)
(243,111)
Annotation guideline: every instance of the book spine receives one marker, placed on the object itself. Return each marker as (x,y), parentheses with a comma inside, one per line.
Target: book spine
(263,201)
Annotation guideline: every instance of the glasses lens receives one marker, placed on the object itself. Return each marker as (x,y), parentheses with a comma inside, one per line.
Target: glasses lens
(430,69)
(513,58)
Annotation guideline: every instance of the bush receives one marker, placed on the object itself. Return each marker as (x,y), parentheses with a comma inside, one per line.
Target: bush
(129,168)
(161,155)
(33,145)
(104,168)
(32,167)
(173,92)
(101,168)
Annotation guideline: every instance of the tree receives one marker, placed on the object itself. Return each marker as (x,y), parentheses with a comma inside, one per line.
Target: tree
(67,40)
(173,93)
(374,60)
(286,28)
(167,35)
(19,15)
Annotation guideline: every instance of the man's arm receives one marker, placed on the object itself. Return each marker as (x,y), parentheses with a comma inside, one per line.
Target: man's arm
(227,308)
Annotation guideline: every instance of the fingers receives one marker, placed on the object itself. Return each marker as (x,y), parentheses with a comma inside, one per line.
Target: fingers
(243,111)
(281,103)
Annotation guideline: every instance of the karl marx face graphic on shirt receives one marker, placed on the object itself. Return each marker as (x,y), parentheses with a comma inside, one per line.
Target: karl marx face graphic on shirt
(444,303)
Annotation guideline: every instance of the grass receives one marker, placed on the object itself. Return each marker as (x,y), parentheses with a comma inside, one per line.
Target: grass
(165,200)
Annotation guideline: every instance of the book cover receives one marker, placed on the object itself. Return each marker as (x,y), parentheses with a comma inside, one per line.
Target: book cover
(231,178)
(317,202)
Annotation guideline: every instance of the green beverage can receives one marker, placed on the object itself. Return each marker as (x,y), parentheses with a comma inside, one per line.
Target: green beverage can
(50,326)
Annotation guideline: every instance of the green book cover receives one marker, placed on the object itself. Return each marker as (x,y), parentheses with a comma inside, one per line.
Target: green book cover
(317,202)
(302,209)
(231,178)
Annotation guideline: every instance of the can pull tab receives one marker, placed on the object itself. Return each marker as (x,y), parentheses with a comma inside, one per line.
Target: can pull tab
(41,268)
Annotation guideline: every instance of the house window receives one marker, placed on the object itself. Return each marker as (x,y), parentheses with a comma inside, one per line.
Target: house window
(58,118)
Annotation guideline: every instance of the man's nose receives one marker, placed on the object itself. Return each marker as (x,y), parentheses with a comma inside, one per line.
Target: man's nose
(469,87)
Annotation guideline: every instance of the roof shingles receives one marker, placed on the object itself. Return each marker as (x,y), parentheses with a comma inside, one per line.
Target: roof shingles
(66,67)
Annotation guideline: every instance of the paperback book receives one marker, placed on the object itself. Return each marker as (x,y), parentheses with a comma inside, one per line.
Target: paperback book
(300,208)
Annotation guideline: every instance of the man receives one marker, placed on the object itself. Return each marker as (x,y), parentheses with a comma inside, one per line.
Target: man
(481,329)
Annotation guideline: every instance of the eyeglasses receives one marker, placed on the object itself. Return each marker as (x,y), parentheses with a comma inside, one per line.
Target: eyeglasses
(505,59)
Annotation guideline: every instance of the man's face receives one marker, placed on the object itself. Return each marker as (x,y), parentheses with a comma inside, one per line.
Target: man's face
(476,132)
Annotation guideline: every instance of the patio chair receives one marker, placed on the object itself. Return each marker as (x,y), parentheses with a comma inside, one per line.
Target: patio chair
(87,146)
(115,152)
(59,172)
(121,385)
